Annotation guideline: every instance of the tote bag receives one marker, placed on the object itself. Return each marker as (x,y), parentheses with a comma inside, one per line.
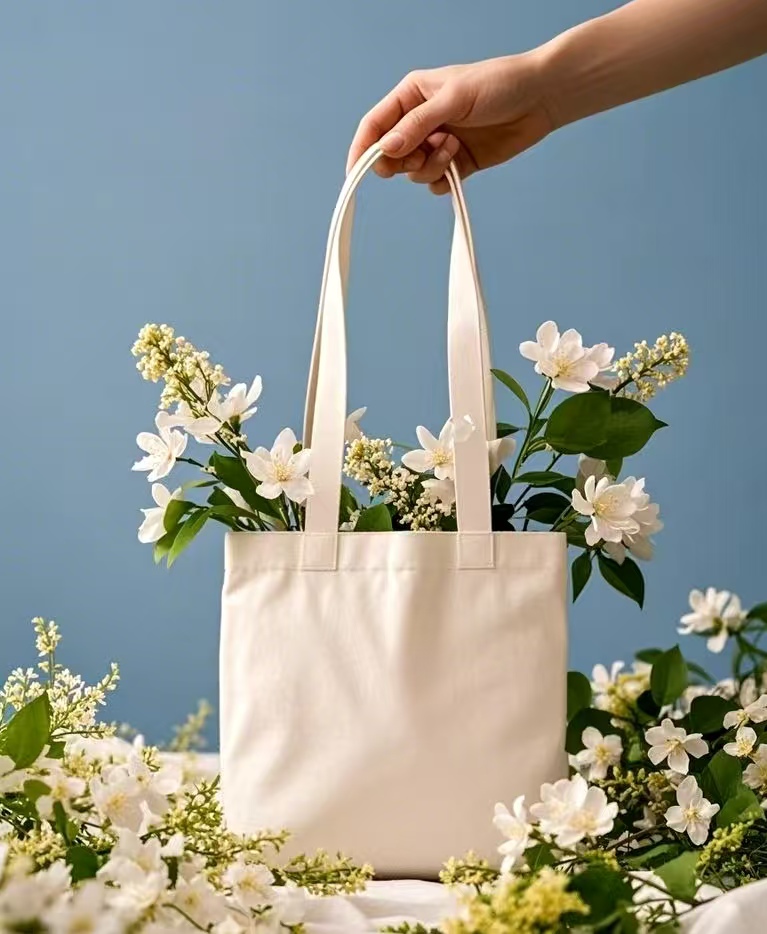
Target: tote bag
(380,691)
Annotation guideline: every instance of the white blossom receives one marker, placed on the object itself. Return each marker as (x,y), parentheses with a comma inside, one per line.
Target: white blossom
(674,744)
(610,506)
(570,810)
(692,814)
(118,798)
(639,543)
(199,901)
(755,712)
(437,454)
(745,740)
(238,403)
(281,470)
(715,612)
(563,358)
(499,451)
(250,883)
(755,773)
(352,430)
(84,912)
(599,753)
(152,528)
(441,493)
(516,828)
(163,449)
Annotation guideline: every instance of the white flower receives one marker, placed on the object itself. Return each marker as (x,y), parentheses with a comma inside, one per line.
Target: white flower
(693,813)
(200,427)
(756,712)
(441,493)
(119,800)
(24,898)
(602,679)
(639,543)
(500,450)
(162,449)
(62,789)
(590,467)
(199,901)
(755,774)
(152,528)
(437,453)
(156,784)
(515,827)
(675,744)
(717,612)
(600,753)
(564,359)
(570,810)
(251,883)
(132,861)
(745,740)
(239,402)
(610,506)
(85,912)
(352,430)
(280,470)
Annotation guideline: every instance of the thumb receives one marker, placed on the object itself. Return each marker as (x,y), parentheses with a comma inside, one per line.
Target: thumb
(418,124)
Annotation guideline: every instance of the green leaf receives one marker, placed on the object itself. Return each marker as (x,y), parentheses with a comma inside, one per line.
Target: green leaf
(34,789)
(84,862)
(650,655)
(651,853)
(502,429)
(722,778)
(175,512)
(679,875)
(576,534)
(501,483)
(668,677)
(626,578)
(580,572)
(589,716)
(600,425)
(708,712)
(374,519)
(186,533)
(163,545)
(546,507)
(541,478)
(758,612)
(28,732)
(743,805)
(603,890)
(578,693)
(539,855)
(348,504)
(232,472)
(510,383)
(614,466)
(56,750)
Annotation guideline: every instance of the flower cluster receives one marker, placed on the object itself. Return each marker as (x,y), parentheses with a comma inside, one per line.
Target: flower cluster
(663,810)
(609,520)
(642,372)
(98,834)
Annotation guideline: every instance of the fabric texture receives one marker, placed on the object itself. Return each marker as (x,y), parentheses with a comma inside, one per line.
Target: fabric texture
(381,691)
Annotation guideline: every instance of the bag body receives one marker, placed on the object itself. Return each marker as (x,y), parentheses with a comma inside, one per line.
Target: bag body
(380,691)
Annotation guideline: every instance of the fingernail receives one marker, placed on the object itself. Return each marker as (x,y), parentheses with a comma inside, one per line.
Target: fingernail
(443,157)
(392,143)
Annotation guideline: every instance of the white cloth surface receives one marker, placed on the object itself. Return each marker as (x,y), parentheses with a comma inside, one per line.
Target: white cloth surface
(743,911)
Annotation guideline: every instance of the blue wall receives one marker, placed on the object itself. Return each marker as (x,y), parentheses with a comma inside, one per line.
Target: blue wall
(178,162)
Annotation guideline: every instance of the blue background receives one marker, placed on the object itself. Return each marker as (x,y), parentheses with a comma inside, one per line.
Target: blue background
(179,161)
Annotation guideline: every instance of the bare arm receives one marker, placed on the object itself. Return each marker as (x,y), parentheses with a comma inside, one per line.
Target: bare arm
(485,113)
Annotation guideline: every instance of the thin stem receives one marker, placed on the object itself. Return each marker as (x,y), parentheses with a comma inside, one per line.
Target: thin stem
(529,487)
(540,405)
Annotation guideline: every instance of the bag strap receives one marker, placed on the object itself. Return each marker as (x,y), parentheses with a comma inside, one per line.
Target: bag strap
(470,380)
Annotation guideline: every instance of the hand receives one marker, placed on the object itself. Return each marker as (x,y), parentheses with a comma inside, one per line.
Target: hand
(480,115)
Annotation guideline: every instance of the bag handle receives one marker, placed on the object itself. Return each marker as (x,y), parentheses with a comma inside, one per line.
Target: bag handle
(470,380)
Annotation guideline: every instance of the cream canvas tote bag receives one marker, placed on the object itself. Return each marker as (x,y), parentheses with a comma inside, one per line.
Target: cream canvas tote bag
(380,691)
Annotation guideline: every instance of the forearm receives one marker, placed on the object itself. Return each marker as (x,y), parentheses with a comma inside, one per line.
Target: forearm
(644,47)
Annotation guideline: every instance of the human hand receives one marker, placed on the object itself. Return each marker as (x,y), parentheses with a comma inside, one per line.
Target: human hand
(480,115)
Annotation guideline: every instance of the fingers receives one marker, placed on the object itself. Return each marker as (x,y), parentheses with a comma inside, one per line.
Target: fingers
(445,148)
(378,121)
(418,124)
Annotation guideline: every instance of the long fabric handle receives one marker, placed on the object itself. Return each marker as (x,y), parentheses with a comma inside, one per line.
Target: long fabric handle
(469,375)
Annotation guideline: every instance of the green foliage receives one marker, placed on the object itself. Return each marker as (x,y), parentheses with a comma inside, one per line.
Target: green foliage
(580,572)
(578,693)
(26,734)
(626,578)
(600,425)
(374,519)
(669,677)
(510,383)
